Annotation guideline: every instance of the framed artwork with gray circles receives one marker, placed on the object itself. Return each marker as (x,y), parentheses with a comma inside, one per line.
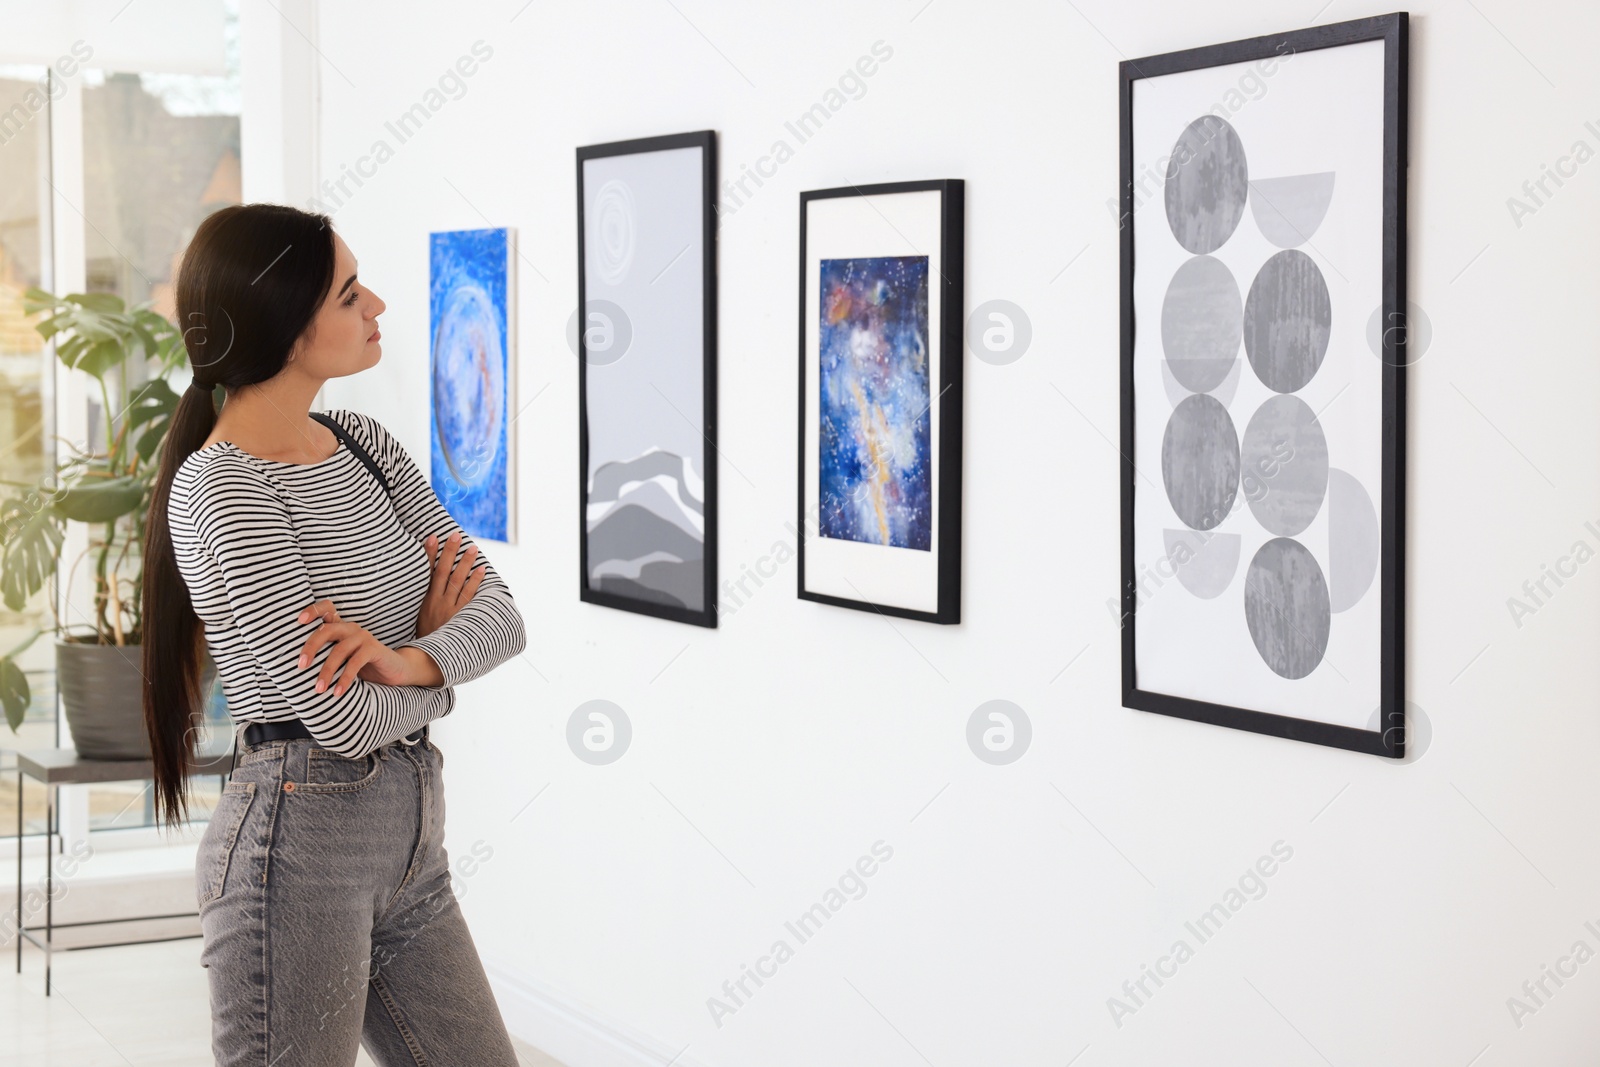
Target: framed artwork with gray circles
(647,376)
(881,271)
(1263,422)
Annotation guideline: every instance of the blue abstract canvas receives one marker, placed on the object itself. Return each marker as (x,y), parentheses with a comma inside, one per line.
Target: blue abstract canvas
(874,476)
(469,364)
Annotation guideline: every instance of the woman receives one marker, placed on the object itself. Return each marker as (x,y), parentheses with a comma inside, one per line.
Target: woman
(341,613)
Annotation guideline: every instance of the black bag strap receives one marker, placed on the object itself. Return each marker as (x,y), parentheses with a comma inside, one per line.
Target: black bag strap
(355,446)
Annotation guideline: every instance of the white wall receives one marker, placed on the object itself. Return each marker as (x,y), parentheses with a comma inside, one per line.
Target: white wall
(771,753)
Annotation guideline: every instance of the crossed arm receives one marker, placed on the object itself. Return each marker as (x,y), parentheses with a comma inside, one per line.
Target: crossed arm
(247,530)
(488,629)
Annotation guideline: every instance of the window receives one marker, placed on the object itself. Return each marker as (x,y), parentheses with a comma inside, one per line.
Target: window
(161,151)
(26,392)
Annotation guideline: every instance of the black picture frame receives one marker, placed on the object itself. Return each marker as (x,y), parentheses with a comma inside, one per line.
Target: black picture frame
(706,141)
(1389,739)
(951,285)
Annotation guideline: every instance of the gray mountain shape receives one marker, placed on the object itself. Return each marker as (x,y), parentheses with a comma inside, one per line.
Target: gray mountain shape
(610,477)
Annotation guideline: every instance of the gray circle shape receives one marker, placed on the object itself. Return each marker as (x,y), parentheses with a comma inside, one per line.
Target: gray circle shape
(999,732)
(608,333)
(1286,608)
(1201,323)
(1411,329)
(1287,318)
(1207,186)
(1284,465)
(1200,461)
(999,332)
(599,732)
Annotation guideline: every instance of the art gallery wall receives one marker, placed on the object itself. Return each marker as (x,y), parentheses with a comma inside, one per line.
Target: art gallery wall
(1007,904)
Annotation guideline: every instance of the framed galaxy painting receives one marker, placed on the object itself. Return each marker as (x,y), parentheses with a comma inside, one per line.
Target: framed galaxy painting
(647,385)
(880,398)
(471,362)
(1263,384)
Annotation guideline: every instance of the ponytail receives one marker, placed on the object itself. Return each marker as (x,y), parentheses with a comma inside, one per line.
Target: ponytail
(252,279)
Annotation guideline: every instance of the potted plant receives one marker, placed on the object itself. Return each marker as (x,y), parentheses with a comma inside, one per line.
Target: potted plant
(98,657)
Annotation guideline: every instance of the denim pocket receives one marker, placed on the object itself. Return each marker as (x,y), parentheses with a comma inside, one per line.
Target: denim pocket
(217,846)
(329,772)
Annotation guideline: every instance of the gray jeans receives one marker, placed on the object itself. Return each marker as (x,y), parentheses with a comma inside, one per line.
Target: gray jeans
(329,920)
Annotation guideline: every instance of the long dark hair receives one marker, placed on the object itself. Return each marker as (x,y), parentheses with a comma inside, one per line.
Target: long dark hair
(252,279)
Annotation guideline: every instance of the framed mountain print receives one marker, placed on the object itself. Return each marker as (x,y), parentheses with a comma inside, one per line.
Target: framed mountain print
(880,398)
(1263,384)
(647,376)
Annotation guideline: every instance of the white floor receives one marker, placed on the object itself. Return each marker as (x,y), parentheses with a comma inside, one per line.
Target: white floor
(137,1005)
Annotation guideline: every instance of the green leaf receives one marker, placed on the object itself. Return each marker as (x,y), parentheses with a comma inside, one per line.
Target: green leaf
(94,328)
(152,320)
(35,300)
(101,357)
(151,400)
(95,332)
(32,537)
(104,303)
(71,350)
(150,440)
(145,339)
(152,407)
(49,327)
(14,692)
(99,499)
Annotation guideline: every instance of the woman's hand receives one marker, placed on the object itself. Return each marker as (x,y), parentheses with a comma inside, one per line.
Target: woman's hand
(356,651)
(453,584)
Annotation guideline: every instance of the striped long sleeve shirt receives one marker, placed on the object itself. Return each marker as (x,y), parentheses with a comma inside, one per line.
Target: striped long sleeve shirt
(257,541)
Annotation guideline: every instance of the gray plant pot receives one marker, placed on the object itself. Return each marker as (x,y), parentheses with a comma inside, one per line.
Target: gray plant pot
(102,692)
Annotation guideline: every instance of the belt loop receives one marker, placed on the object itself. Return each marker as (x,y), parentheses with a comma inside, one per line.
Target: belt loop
(383,753)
